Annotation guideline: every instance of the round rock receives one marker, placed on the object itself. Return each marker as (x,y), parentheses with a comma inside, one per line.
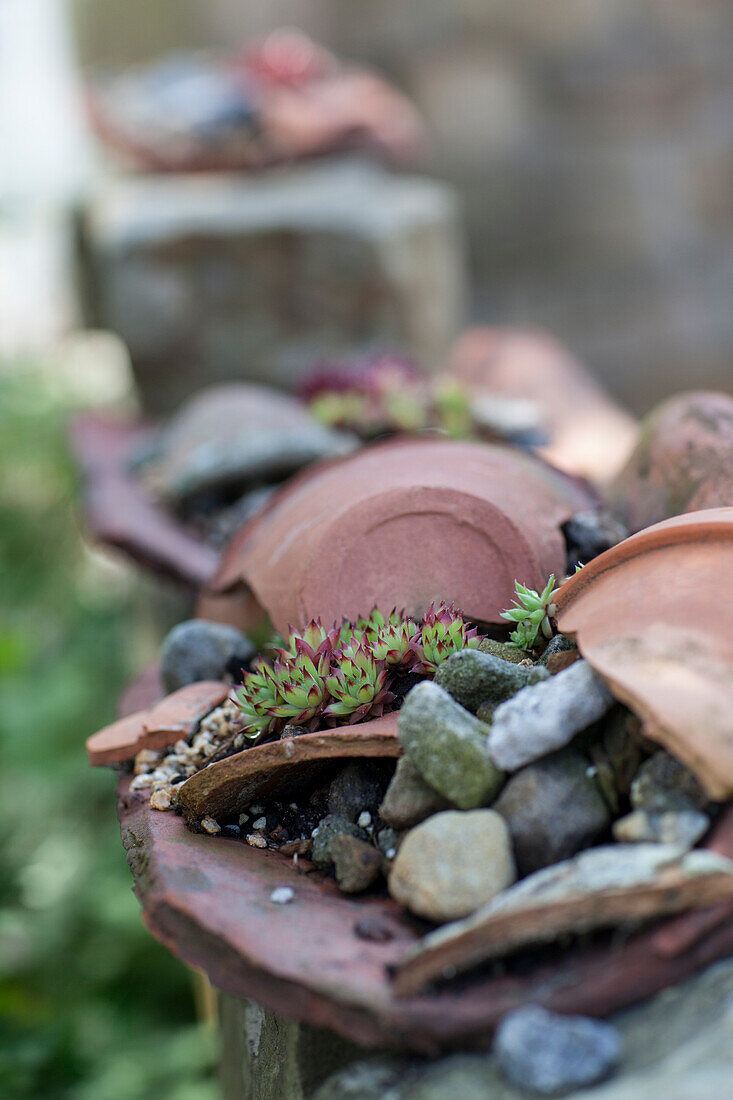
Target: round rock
(551,1054)
(200,650)
(452,864)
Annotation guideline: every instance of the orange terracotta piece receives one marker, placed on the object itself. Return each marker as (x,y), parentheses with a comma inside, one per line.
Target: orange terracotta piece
(228,786)
(588,433)
(653,617)
(177,716)
(683,461)
(401,524)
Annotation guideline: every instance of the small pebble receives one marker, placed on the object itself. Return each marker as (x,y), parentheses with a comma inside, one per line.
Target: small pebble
(233,830)
(260,823)
(256,809)
(209,825)
(142,781)
(550,1054)
(256,840)
(161,799)
(364,820)
(281,895)
(243,819)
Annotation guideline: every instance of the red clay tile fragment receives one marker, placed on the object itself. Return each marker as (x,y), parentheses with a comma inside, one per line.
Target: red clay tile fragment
(588,433)
(179,714)
(122,513)
(175,717)
(400,524)
(119,741)
(228,786)
(683,461)
(564,898)
(653,617)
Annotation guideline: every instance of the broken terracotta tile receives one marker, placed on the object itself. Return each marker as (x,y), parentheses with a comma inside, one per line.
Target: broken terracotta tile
(122,513)
(652,616)
(180,713)
(599,888)
(587,432)
(177,716)
(228,786)
(121,740)
(400,524)
(683,461)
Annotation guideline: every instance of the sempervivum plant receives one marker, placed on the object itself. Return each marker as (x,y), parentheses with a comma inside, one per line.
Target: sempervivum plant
(532,612)
(345,674)
(358,685)
(443,631)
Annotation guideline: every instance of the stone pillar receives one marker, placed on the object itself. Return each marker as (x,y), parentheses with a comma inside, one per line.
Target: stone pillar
(213,278)
(266,1057)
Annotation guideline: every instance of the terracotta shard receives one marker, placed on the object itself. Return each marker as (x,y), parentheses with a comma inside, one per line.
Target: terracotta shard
(575,896)
(587,432)
(174,717)
(229,786)
(119,741)
(653,616)
(683,461)
(208,900)
(179,714)
(122,513)
(401,524)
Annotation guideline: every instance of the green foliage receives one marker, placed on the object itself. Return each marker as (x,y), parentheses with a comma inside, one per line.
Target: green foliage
(531,612)
(345,674)
(90,1005)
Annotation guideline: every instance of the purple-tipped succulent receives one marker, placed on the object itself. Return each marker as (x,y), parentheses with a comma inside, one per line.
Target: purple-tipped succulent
(358,685)
(443,632)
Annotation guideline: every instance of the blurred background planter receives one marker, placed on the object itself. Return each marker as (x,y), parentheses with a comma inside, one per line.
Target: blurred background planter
(347,256)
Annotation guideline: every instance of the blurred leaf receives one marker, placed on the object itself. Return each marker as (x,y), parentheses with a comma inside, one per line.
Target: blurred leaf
(91,1007)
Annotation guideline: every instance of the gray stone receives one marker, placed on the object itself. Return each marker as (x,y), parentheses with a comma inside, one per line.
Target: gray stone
(590,533)
(357,787)
(559,644)
(552,809)
(252,456)
(545,717)
(388,841)
(663,784)
(504,651)
(201,650)
(378,1079)
(409,798)
(457,1077)
(261,276)
(474,678)
(448,747)
(679,827)
(452,864)
(551,1054)
(328,828)
(357,865)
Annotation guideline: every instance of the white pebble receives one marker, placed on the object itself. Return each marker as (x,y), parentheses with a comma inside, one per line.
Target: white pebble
(141,781)
(390,853)
(364,819)
(161,799)
(281,895)
(209,825)
(260,823)
(256,840)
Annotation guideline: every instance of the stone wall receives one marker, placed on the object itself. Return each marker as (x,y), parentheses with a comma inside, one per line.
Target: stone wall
(591,140)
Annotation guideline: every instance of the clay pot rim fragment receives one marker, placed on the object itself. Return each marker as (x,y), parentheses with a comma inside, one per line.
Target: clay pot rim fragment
(650,616)
(708,525)
(297,554)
